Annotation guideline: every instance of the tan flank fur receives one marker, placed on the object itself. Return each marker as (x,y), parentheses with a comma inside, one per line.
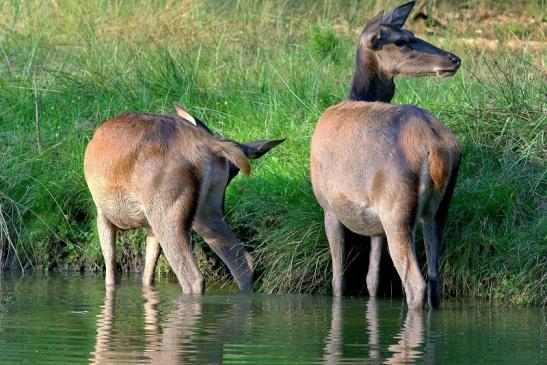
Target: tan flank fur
(379,168)
(168,173)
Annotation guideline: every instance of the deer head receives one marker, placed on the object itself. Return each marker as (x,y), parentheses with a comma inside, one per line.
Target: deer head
(399,52)
(387,50)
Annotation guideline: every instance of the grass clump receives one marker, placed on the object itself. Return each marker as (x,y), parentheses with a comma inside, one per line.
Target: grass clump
(257,70)
(324,43)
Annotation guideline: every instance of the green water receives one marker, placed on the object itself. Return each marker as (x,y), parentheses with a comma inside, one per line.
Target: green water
(72,319)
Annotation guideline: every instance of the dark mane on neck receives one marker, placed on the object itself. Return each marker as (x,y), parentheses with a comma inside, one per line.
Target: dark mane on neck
(369,83)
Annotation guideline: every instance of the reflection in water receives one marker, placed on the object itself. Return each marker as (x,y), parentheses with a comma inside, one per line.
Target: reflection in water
(333,348)
(404,351)
(167,345)
(104,328)
(70,320)
(179,338)
(373,330)
(174,343)
(410,338)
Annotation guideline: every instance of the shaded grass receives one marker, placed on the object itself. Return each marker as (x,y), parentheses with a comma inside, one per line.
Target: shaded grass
(256,70)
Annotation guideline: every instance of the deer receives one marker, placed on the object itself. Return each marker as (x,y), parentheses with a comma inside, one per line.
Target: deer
(378,168)
(168,174)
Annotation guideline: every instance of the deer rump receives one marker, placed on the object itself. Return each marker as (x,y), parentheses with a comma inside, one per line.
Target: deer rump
(131,157)
(368,157)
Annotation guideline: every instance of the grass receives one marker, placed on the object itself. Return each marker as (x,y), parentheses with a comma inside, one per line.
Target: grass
(267,69)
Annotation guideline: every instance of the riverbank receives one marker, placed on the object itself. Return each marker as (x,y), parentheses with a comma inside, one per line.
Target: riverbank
(257,70)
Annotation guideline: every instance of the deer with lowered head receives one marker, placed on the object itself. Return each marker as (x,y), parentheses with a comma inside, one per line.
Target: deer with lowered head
(379,168)
(169,174)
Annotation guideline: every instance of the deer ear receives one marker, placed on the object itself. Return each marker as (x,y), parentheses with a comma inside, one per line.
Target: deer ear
(184,114)
(373,24)
(371,32)
(399,15)
(256,149)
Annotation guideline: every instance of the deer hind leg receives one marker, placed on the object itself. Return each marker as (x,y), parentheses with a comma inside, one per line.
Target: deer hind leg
(432,243)
(400,240)
(433,228)
(335,235)
(227,246)
(153,251)
(374,265)
(177,249)
(171,224)
(107,237)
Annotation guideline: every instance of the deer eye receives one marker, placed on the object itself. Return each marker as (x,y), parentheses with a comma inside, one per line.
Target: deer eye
(399,43)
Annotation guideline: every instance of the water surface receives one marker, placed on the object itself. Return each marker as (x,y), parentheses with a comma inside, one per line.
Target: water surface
(73,319)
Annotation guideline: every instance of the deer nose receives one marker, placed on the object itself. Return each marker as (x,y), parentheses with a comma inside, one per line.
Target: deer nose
(454,58)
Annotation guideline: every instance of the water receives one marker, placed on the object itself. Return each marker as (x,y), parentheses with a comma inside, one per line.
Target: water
(71,319)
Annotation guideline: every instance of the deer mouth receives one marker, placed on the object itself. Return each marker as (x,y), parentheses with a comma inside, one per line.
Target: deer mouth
(446,73)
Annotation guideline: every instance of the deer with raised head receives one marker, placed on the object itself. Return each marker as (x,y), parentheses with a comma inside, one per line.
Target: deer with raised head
(378,168)
(168,173)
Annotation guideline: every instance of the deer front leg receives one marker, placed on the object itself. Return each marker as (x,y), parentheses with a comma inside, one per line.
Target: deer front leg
(227,246)
(374,265)
(335,235)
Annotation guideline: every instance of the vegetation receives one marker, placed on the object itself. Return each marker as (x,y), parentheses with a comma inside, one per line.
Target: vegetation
(267,69)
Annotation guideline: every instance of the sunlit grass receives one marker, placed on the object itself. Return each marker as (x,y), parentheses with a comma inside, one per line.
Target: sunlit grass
(257,70)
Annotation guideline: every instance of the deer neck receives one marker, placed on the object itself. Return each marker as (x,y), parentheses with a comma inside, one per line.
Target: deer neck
(369,83)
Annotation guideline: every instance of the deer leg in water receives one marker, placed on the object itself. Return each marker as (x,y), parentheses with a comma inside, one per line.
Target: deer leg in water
(374,265)
(171,221)
(335,236)
(227,246)
(107,237)
(432,241)
(400,240)
(153,251)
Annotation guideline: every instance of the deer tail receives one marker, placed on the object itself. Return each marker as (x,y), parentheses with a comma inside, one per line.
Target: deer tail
(439,166)
(234,154)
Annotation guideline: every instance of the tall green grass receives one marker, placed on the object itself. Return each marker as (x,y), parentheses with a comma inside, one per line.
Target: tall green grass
(256,70)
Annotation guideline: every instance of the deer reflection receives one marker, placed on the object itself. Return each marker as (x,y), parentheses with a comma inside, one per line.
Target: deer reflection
(404,351)
(167,345)
(333,348)
(373,330)
(104,328)
(175,339)
(411,336)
